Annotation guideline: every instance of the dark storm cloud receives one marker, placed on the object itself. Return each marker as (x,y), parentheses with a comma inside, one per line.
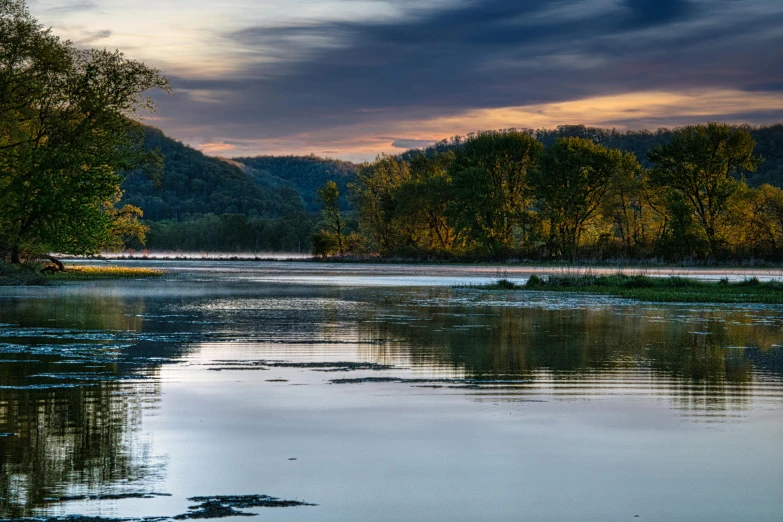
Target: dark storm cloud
(486,54)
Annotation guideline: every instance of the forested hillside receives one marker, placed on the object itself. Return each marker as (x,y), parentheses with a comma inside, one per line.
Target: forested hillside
(193,184)
(304,173)
(201,203)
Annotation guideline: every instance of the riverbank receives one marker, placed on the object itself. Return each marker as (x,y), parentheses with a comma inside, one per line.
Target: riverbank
(671,289)
(84,273)
(295,257)
(30,275)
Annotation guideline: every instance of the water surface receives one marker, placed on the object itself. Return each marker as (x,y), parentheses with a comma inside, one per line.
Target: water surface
(399,396)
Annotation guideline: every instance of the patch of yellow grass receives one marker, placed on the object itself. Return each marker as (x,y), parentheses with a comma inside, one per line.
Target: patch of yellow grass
(106,272)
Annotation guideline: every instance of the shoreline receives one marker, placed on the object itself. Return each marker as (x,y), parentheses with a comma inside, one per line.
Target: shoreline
(672,289)
(510,263)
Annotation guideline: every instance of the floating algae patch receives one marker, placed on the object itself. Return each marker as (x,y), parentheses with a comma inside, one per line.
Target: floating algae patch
(107,496)
(339,366)
(52,386)
(229,505)
(77,376)
(82,518)
(219,506)
(459,382)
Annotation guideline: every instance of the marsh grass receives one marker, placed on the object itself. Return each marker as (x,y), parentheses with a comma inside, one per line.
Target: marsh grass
(657,289)
(664,289)
(84,273)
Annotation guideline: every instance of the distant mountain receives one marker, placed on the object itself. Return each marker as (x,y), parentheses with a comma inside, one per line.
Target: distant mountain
(202,203)
(305,174)
(193,184)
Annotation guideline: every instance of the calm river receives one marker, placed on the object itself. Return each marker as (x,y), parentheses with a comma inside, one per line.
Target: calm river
(385,393)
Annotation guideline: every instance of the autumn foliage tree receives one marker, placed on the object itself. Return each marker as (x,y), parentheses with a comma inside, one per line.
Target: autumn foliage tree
(704,165)
(504,194)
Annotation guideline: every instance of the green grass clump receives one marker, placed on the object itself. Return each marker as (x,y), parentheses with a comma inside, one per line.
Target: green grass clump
(84,273)
(674,289)
(662,289)
(503,284)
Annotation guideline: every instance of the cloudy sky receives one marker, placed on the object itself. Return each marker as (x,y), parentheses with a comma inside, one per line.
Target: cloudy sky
(353,78)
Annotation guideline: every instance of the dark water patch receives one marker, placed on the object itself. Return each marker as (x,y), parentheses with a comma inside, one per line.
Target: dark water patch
(236,368)
(82,518)
(339,366)
(228,506)
(461,382)
(107,496)
(52,386)
(78,376)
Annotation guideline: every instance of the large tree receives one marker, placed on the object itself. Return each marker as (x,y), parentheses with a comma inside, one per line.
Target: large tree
(704,165)
(491,189)
(373,194)
(570,184)
(66,133)
(329,195)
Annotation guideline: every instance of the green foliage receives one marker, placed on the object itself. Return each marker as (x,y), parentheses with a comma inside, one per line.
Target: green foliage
(329,195)
(66,133)
(499,195)
(233,233)
(491,189)
(705,165)
(374,195)
(304,174)
(570,185)
(191,184)
(325,244)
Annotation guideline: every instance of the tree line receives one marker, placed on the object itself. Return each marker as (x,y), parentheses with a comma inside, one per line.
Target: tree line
(504,194)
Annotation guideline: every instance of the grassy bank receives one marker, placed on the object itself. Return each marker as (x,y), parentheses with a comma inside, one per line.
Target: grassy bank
(657,289)
(84,273)
(34,275)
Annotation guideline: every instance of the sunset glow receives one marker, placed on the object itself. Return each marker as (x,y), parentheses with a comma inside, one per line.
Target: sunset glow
(353,79)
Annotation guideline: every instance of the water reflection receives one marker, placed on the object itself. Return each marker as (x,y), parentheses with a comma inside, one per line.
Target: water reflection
(706,361)
(74,383)
(81,367)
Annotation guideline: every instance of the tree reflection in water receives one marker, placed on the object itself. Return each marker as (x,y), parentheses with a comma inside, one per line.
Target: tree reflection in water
(72,395)
(702,359)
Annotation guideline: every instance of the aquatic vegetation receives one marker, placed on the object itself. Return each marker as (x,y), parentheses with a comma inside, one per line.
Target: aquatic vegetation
(226,505)
(656,289)
(339,366)
(219,506)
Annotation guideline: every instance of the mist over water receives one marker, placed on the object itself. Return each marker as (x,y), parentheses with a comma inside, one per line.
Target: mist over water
(399,396)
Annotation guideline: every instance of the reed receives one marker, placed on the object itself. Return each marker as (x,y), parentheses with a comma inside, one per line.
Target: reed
(655,289)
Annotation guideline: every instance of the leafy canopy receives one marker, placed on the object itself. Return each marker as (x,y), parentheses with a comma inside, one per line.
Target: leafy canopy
(66,132)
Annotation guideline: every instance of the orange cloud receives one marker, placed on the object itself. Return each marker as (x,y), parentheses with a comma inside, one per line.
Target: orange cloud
(632,111)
